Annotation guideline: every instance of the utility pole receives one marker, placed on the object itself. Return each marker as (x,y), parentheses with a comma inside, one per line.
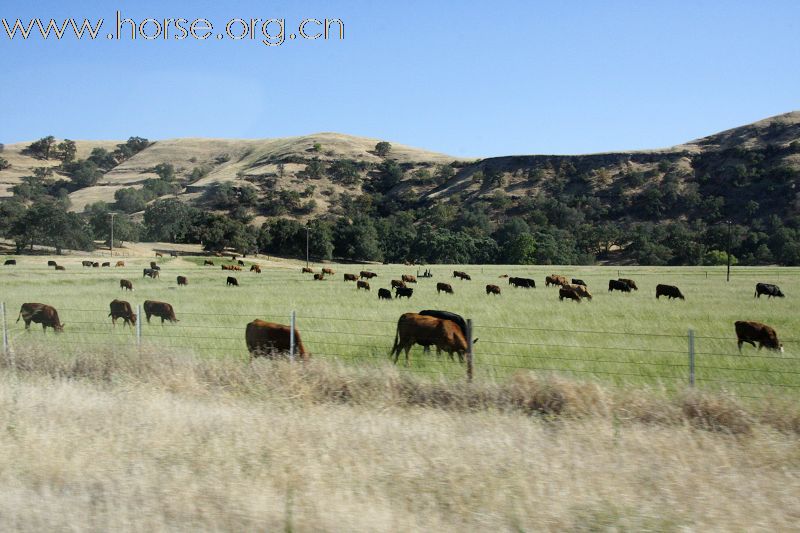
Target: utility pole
(112,234)
(306,245)
(729,249)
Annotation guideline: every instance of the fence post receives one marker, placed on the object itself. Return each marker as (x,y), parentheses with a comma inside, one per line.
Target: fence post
(139,326)
(291,335)
(691,358)
(469,350)
(6,347)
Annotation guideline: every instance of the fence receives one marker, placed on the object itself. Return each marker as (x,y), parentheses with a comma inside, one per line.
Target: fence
(671,360)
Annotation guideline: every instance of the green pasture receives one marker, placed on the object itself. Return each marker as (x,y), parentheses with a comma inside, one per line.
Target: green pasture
(618,338)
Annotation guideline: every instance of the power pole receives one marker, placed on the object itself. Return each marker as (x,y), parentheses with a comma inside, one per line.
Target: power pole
(729,249)
(112,234)
(306,245)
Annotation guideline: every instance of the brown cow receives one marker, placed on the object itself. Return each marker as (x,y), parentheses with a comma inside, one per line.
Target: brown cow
(182,281)
(60,267)
(630,282)
(206,262)
(307,270)
(42,314)
(125,284)
(96,264)
(159,254)
(413,328)
(756,332)
(462,275)
(350,277)
(266,338)
(444,287)
(367,274)
(670,291)
(162,310)
(255,268)
(122,309)
(328,271)
(582,291)
(397,283)
(555,279)
(408,278)
(569,293)
(362,285)
(492,289)
(226,267)
(119,264)
(232,282)
(319,277)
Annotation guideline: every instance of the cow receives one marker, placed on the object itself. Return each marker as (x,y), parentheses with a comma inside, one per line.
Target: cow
(231,281)
(206,262)
(503,276)
(150,272)
(42,314)
(158,254)
(60,267)
(51,263)
(264,339)
(319,277)
(461,275)
(554,279)
(153,265)
(768,289)
(233,257)
(182,281)
(96,264)
(226,267)
(582,291)
(125,284)
(414,328)
(173,254)
(576,281)
(670,291)
(447,315)
(236,268)
(122,309)
(444,287)
(10,262)
(492,289)
(307,270)
(384,294)
(106,264)
(162,310)
(522,282)
(362,285)
(241,263)
(408,278)
(617,285)
(255,268)
(366,274)
(119,264)
(397,283)
(756,332)
(328,271)
(86,263)
(399,292)
(350,277)
(569,293)
(631,283)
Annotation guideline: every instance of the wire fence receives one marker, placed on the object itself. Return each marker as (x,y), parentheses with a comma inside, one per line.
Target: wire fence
(620,357)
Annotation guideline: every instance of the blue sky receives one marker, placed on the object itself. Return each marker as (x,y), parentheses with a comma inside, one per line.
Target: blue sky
(469,78)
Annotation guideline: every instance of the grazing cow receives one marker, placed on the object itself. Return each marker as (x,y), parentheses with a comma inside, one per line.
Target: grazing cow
(492,289)
(362,285)
(241,263)
(265,339)
(182,281)
(158,254)
(319,277)
(444,287)
(106,264)
(576,281)
(86,263)
(568,292)
(232,281)
(236,268)
(206,262)
(125,284)
(756,332)
(768,289)
(399,292)
(617,285)
(408,278)
(162,310)
(10,262)
(307,270)
(582,291)
(150,272)
(554,279)
(328,271)
(120,264)
(255,268)
(367,274)
(397,283)
(670,291)
(96,265)
(503,276)
(414,328)
(631,283)
(51,263)
(122,309)
(447,315)
(173,254)
(462,275)
(350,277)
(42,314)
(226,267)
(384,294)
(59,267)
(153,265)
(526,283)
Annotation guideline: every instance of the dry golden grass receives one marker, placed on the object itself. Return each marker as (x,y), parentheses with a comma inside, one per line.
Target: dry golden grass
(98,442)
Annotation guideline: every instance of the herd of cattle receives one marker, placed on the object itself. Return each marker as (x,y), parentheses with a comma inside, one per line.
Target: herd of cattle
(446,331)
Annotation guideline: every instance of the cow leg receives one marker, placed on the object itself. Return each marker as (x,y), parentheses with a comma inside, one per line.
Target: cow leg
(739,344)
(408,349)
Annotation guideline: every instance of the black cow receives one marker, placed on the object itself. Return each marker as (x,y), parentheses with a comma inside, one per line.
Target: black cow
(617,285)
(384,294)
(149,272)
(526,283)
(576,281)
(399,292)
(10,262)
(670,291)
(768,289)
(232,282)
(52,263)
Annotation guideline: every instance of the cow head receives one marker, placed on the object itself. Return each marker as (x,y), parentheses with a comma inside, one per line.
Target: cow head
(59,328)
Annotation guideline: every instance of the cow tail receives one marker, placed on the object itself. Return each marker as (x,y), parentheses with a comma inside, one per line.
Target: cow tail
(396,341)
(19,316)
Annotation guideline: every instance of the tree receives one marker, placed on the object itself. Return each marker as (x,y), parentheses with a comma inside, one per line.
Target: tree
(356,239)
(84,173)
(131,147)
(165,171)
(47,222)
(389,175)
(169,220)
(66,150)
(344,171)
(4,164)
(520,250)
(130,200)
(443,174)
(41,149)
(102,158)
(382,149)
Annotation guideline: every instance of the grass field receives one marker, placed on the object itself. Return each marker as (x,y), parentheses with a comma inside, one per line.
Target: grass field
(618,338)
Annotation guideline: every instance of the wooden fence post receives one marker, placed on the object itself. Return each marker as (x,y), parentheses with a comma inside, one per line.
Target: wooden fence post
(691,358)
(469,350)
(292,320)
(6,347)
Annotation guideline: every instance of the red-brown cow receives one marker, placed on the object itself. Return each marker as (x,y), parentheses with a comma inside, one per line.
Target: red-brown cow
(756,332)
(42,314)
(125,284)
(162,310)
(350,277)
(182,281)
(492,289)
(444,287)
(122,309)
(413,328)
(408,278)
(267,338)
(328,271)
(360,284)
(367,274)
(397,283)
